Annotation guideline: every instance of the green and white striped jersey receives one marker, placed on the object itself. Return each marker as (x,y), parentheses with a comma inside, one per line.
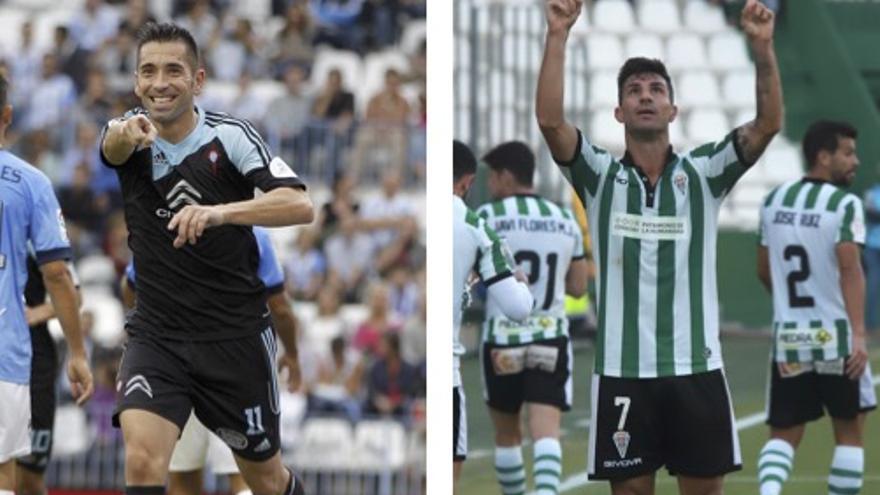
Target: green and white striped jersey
(802,222)
(655,252)
(544,238)
(475,247)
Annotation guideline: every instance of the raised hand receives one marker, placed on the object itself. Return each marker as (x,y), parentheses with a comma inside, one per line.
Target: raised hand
(192,221)
(757,21)
(561,14)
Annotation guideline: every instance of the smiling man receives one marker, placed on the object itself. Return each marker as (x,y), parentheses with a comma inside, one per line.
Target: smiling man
(659,396)
(200,337)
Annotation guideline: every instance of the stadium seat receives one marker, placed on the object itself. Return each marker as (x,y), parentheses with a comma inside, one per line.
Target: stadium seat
(10,29)
(727,51)
(325,444)
(603,90)
(702,17)
(252,9)
(783,162)
(349,63)
(76,437)
(218,95)
(615,16)
(604,51)
(379,444)
(45,24)
(707,125)
(698,89)
(576,93)
(685,51)
(108,315)
(605,131)
(644,45)
(414,34)
(659,16)
(739,90)
(743,116)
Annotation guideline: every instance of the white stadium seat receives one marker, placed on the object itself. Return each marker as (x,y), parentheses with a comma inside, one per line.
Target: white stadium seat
(606,131)
(644,45)
(685,51)
(707,125)
(348,63)
(614,16)
(414,33)
(604,51)
(697,89)
(743,116)
(325,444)
(702,17)
(603,89)
(739,89)
(727,50)
(659,16)
(379,444)
(783,162)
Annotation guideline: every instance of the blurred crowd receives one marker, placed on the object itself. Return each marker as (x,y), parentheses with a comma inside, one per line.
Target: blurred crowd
(356,276)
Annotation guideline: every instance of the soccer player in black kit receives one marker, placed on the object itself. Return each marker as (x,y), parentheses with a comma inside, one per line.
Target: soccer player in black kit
(200,337)
(44,370)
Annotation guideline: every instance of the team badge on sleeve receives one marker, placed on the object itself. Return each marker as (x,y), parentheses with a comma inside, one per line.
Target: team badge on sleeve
(280,170)
(62,228)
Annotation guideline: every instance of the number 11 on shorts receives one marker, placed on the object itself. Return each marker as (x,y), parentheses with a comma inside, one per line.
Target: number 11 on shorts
(254,420)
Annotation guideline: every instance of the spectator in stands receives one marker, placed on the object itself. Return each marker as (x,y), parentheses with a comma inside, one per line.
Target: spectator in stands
(305,266)
(414,334)
(24,69)
(79,202)
(237,52)
(247,104)
(342,205)
(871,255)
(390,219)
(95,104)
(95,24)
(71,58)
(136,15)
(404,293)
(338,23)
(52,100)
(392,382)
(326,326)
(201,22)
(349,258)
(338,382)
(379,322)
(293,45)
(289,115)
(334,108)
(38,150)
(384,130)
(85,151)
(118,61)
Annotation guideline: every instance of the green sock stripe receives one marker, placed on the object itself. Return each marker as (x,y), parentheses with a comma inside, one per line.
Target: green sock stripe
(837,490)
(507,470)
(846,473)
(771,477)
(776,452)
(512,484)
(784,467)
(548,457)
(544,486)
(548,472)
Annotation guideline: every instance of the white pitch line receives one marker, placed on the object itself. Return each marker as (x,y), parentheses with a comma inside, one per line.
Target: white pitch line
(580,479)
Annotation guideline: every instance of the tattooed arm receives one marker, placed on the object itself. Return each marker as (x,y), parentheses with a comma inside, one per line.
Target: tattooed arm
(753,137)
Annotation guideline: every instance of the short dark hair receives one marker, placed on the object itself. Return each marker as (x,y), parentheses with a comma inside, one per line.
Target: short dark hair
(463,161)
(3,87)
(514,156)
(642,65)
(167,32)
(824,135)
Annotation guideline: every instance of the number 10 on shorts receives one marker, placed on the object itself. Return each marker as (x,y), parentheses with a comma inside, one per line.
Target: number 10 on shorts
(254,420)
